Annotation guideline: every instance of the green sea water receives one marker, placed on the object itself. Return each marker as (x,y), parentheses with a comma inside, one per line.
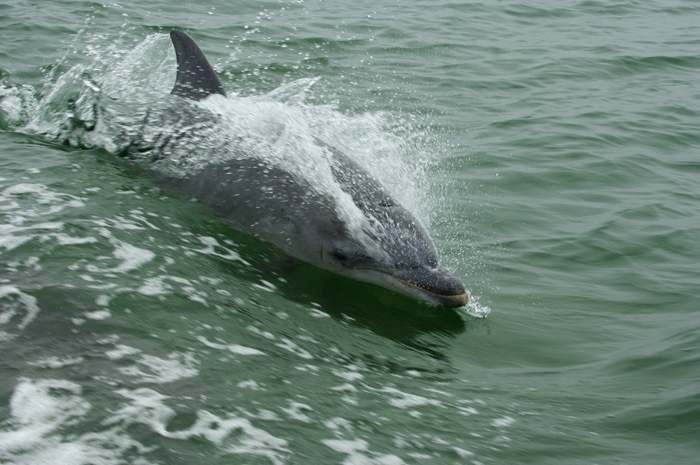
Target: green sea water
(552,148)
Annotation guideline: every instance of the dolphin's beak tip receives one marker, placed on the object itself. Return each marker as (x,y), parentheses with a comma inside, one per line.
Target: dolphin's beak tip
(459,300)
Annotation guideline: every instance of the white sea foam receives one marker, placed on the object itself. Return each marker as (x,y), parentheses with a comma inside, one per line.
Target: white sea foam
(121,351)
(296,410)
(358,453)
(346,446)
(103,300)
(463,453)
(152,369)
(467,411)
(265,334)
(234,435)
(34,432)
(346,387)
(57,362)
(98,315)
(265,286)
(503,422)
(250,384)
(15,102)
(404,400)
(65,239)
(132,257)
(25,205)
(338,423)
(17,306)
(155,286)
(348,375)
(12,242)
(33,200)
(35,412)
(292,347)
(233,348)
(213,247)
(139,216)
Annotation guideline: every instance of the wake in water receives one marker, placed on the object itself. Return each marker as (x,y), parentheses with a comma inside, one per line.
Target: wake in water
(118,102)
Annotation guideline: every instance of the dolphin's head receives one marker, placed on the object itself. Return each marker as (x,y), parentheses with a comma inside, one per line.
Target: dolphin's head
(391,248)
(397,255)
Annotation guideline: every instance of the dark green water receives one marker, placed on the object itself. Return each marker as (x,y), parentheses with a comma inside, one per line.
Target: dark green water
(553,148)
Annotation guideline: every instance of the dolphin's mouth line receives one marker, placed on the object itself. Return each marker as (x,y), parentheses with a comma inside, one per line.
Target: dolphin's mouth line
(417,286)
(455,300)
(447,300)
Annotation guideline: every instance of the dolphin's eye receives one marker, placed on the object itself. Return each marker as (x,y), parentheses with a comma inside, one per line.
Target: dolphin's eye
(341,255)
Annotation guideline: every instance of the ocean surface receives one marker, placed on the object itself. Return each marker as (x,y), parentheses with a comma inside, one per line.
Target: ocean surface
(551,147)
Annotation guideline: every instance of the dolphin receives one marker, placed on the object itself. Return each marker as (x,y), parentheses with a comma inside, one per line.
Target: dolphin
(390,248)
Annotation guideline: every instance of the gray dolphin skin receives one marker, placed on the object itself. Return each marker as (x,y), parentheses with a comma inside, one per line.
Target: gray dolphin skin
(274,205)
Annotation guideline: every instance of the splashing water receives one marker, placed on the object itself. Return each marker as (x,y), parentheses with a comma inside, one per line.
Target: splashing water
(104,104)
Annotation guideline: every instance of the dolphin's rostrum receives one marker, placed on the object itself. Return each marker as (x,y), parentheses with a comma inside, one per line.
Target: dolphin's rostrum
(276,206)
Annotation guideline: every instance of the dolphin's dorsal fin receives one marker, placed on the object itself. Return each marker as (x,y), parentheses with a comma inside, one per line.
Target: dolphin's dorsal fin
(196,80)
